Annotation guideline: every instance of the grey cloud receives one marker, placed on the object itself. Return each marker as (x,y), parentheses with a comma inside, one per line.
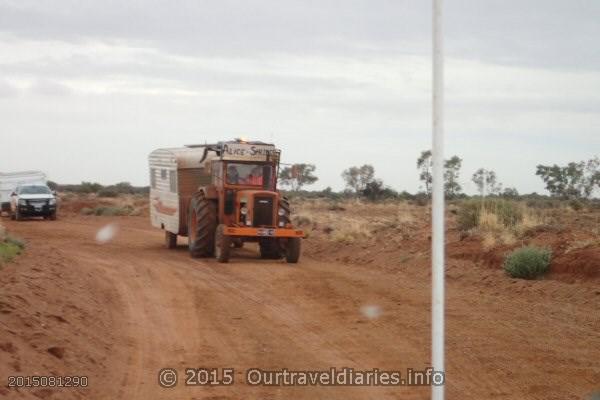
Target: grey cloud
(549,33)
(8,90)
(49,88)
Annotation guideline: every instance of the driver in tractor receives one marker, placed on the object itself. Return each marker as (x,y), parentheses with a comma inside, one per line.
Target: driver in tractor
(255,177)
(233,175)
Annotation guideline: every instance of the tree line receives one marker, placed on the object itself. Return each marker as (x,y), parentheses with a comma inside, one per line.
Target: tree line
(576,180)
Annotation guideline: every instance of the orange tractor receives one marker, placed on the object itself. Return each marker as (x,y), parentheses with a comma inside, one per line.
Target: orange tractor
(221,196)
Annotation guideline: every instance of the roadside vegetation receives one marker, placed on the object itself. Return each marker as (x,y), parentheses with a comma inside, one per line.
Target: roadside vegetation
(10,246)
(111,211)
(527,262)
(118,189)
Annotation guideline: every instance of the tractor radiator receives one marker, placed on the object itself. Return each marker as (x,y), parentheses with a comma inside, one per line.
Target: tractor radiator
(263,211)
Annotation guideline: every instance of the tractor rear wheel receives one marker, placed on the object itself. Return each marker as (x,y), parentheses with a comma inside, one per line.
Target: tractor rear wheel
(170,240)
(292,250)
(202,222)
(270,248)
(222,244)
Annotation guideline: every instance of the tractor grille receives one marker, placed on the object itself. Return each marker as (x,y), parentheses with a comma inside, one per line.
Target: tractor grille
(263,211)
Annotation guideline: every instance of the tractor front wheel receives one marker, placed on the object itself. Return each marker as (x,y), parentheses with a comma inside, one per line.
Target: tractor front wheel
(222,244)
(292,250)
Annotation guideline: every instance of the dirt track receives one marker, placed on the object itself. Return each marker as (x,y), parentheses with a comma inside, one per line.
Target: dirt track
(119,312)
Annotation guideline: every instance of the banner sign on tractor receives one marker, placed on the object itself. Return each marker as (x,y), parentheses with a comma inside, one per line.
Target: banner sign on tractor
(248,152)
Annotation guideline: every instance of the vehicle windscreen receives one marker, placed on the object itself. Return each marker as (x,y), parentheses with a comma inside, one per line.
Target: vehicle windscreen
(34,190)
(247,174)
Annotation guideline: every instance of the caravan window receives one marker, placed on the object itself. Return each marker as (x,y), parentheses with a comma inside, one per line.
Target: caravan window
(153,178)
(173,181)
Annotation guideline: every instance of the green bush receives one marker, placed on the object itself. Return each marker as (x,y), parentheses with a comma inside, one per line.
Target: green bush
(10,247)
(20,243)
(527,262)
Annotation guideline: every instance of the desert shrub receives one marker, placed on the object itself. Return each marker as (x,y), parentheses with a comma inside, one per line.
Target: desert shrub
(93,187)
(468,215)
(352,231)
(576,205)
(88,187)
(87,211)
(527,262)
(302,220)
(594,204)
(107,192)
(335,206)
(473,213)
(543,203)
(10,247)
(20,243)
(108,211)
(421,199)
(508,212)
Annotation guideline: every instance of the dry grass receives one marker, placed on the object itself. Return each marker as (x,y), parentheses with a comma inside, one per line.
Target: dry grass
(500,222)
(582,244)
(353,221)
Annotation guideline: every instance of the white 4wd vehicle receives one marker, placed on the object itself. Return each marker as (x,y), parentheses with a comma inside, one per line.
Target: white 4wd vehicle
(31,201)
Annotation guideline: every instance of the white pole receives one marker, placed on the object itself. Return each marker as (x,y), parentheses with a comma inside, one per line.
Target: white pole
(437,242)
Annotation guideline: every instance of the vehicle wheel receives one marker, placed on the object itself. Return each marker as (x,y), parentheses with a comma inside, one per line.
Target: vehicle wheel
(270,248)
(170,240)
(202,222)
(238,243)
(292,250)
(53,217)
(222,244)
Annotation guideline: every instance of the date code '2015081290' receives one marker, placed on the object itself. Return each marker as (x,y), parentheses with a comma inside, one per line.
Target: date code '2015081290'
(35,381)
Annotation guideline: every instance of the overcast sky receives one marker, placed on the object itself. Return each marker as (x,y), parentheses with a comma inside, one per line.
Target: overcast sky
(88,89)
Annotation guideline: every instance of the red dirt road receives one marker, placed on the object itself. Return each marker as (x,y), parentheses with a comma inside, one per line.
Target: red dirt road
(121,311)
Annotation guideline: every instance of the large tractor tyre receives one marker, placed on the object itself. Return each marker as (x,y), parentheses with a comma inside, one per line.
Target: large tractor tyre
(202,223)
(170,240)
(292,250)
(270,248)
(222,244)
(284,204)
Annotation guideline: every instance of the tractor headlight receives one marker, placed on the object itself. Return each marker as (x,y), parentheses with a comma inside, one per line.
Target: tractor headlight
(281,212)
(22,202)
(244,210)
(52,202)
